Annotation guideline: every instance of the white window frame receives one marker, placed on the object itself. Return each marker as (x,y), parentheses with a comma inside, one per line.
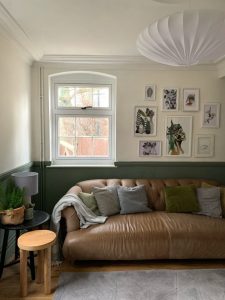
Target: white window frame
(87,79)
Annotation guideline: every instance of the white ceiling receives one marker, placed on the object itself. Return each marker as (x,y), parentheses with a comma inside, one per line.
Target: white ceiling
(90,27)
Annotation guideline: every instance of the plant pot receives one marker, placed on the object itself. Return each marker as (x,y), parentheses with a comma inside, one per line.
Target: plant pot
(13,216)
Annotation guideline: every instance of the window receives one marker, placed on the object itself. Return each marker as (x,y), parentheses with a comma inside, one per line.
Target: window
(83,120)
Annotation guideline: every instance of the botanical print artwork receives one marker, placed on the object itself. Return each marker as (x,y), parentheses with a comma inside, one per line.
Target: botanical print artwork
(211,115)
(170,99)
(149,148)
(191,100)
(178,136)
(145,120)
(150,92)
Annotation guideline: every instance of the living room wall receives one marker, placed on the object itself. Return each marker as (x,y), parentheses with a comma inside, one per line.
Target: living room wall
(131,82)
(15,112)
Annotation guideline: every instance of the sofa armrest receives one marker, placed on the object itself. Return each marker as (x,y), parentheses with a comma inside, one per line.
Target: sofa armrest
(69,214)
(72,221)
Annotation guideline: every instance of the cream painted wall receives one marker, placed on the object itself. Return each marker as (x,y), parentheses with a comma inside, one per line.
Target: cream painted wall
(15,116)
(131,80)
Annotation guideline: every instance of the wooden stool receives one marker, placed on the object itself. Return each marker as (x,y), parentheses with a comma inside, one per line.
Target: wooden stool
(40,241)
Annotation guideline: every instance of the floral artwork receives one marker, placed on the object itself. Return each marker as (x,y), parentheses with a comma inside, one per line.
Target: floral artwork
(145,121)
(170,99)
(178,136)
(149,148)
(211,113)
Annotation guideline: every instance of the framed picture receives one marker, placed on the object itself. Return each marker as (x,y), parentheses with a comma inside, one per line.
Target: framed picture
(150,92)
(204,145)
(145,121)
(149,148)
(178,136)
(190,99)
(170,99)
(211,115)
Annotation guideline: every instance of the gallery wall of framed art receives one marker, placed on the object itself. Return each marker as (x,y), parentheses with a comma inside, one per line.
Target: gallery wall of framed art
(179,108)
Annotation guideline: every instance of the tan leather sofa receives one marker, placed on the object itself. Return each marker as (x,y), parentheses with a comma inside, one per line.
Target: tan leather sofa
(153,235)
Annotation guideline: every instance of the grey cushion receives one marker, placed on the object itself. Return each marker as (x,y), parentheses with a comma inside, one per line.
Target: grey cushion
(133,199)
(107,200)
(209,202)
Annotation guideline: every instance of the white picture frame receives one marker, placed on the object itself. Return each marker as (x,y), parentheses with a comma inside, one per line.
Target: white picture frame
(211,115)
(204,145)
(149,148)
(145,120)
(170,99)
(191,99)
(150,92)
(178,136)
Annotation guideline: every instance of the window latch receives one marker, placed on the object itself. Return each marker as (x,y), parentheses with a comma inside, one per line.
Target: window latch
(85,107)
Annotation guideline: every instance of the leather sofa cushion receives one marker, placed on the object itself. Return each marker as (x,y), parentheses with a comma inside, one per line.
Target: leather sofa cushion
(154,235)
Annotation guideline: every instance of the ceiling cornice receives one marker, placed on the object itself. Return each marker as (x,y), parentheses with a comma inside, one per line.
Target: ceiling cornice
(14,31)
(114,61)
(96,59)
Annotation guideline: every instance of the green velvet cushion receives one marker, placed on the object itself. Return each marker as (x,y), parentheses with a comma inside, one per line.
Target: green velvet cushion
(90,201)
(181,199)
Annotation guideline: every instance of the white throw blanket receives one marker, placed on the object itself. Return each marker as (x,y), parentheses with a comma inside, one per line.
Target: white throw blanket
(85,215)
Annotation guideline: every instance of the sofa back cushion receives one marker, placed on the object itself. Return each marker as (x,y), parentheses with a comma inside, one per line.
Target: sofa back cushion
(181,199)
(209,201)
(154,187)
(133,199)
(107,200)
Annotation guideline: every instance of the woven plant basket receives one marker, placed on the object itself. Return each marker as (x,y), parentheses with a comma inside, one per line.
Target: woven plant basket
(13,216)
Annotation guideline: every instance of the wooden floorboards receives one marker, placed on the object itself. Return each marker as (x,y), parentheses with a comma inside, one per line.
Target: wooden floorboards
(9,283)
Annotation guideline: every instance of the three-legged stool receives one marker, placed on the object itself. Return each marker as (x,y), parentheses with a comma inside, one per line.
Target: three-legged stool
(40,241)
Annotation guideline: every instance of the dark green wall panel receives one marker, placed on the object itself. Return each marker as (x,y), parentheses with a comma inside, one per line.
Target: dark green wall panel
(57,180)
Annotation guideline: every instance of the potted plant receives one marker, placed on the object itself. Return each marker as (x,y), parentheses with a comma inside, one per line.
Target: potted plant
(11,204)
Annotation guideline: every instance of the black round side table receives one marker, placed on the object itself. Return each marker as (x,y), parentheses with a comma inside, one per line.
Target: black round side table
(40,218)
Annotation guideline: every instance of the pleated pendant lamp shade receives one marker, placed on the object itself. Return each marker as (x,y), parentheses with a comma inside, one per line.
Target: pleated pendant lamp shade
(185,38)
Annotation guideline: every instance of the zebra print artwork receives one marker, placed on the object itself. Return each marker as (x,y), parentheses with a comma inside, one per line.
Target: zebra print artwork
(145,121)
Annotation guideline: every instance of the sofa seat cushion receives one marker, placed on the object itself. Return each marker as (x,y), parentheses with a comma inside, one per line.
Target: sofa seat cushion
(154,235)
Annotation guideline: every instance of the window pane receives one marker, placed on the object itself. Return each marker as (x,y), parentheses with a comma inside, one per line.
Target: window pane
(80,96)
(83,137)
(66,147)
(66,126)
(92,147)
(92,127)
(101,97)
(83,97)
(66,96)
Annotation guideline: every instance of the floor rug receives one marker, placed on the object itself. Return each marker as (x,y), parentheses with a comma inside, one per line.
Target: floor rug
(203,284)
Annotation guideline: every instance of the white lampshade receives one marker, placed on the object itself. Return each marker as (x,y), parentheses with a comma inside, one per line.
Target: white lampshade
(28,181)
(185,38)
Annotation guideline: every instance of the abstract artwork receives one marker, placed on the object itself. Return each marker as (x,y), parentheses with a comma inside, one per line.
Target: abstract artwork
(170,99)
(190,99)
(211,115)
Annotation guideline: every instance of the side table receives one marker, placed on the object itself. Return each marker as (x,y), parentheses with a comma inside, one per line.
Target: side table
(40,218)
